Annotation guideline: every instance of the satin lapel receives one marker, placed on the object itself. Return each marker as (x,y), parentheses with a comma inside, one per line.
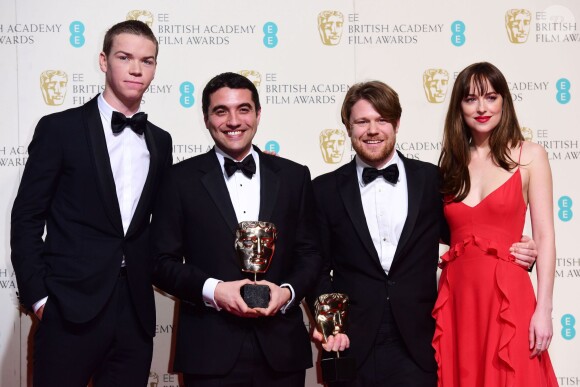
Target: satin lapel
(102,163)
(269,187)
(141,212)
(213,181)
(351,197)
(415,187)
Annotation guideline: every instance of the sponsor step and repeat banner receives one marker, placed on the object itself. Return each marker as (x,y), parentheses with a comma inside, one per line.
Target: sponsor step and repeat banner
(302,55)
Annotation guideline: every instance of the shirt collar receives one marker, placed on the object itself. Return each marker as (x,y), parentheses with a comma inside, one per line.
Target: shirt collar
(107,110)
(221,155)
(361,165)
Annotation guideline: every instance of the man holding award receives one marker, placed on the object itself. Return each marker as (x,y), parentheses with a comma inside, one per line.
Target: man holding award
(380,219)
(229,218)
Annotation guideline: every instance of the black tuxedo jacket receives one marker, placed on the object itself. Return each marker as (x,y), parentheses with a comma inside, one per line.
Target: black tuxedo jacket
(193,233)
(68,186)
(347,249)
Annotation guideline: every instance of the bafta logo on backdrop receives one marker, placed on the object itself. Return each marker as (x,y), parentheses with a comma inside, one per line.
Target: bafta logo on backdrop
(254,76)
(527,133)
(332,145)
(330,27)
(435,82)
(153,380)
(53,84)
(517,24)
(141,15)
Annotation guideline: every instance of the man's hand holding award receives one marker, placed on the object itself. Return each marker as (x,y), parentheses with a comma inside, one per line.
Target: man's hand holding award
(255,245)
(330,314)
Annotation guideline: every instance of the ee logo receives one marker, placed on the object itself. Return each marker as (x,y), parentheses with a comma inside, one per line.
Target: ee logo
(272,146)
(458,33)
(568,331)
(187,99)
(270,38)
(565,208)
(77,29)
(563,95)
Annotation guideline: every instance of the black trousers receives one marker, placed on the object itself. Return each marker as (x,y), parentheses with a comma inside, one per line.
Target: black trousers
(390,363)
(112,349)
(251,370)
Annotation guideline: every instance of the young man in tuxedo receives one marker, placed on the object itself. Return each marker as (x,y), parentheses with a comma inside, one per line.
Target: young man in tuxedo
(91,178)
(220,340)
(381,219)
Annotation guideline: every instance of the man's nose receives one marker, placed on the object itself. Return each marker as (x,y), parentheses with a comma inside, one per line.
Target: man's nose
(135,67)
(373,127)
(233,120)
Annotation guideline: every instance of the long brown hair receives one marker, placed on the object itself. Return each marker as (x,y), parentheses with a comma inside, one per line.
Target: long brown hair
(455,156)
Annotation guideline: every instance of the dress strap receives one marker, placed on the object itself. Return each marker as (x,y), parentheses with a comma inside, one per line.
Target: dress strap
(521,147)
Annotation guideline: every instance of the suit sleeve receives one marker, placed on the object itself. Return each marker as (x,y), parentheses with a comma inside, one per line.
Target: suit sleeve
(31,209)
(306,255)
(323,283)
(169,158)
(170,273)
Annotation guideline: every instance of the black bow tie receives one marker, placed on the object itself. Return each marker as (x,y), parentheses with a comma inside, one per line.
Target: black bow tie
(137,122)
(247,166)
(391,174)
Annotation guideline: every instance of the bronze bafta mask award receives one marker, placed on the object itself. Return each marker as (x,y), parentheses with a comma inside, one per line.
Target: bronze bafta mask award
(255,243)
(330,313)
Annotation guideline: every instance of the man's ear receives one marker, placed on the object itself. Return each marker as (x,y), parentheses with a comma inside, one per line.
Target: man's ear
(103,62)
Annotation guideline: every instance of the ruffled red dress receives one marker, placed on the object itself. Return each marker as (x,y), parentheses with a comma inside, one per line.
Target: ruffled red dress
(485,300)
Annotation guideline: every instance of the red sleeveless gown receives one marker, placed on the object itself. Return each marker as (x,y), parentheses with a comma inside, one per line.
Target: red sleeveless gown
(485,300)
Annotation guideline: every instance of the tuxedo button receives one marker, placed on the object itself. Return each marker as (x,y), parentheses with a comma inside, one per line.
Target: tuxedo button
(391,283)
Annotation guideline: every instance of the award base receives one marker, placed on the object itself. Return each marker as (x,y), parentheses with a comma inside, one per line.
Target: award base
(340,369)
(256,296)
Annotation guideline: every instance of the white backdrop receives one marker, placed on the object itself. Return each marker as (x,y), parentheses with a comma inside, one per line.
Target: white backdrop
(303,55)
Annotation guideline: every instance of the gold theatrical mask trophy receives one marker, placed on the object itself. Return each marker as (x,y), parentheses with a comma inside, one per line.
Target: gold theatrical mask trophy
(255,243)
(330,313)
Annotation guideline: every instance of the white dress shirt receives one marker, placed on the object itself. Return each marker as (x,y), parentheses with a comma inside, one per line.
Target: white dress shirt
(385,206)
(129,158)
(245,196)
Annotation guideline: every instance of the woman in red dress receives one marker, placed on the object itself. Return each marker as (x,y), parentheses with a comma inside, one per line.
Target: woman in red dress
(490,331)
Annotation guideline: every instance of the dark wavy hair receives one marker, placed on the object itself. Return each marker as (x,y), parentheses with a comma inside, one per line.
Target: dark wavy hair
(455,156)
